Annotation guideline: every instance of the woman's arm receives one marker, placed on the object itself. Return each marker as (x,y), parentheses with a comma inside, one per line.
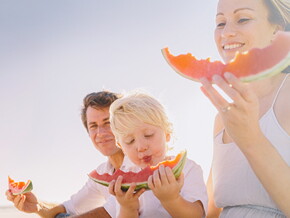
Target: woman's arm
(270,168)
(242,125)
(213,210)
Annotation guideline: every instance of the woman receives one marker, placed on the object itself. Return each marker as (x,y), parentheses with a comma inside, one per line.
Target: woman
(250,174)
(142,130)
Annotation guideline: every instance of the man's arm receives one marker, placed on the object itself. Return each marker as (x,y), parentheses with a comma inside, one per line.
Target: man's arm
(48,210)
(99,212)
(29,203)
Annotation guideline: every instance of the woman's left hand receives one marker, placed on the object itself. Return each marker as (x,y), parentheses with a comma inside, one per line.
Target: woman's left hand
(164,184)
(241,117)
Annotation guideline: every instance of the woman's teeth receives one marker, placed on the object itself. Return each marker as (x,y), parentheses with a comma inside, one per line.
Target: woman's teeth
(232,46)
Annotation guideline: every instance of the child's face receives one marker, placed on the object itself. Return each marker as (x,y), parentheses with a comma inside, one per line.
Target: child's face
(145,145)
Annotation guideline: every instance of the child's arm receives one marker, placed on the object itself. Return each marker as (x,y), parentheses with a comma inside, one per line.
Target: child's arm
(129,201)
(167,189)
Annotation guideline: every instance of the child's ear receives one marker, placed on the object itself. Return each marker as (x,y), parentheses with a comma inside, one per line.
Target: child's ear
(277,28)
(168,137)
(119,145)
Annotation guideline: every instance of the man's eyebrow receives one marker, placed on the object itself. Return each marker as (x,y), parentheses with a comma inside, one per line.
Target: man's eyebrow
(106,119)
(235,11)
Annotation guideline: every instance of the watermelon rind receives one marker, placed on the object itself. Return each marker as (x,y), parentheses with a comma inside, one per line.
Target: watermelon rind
(27,188)
(278,68)
(177,170)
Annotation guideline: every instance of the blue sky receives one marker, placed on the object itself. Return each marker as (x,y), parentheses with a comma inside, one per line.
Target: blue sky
(55,52)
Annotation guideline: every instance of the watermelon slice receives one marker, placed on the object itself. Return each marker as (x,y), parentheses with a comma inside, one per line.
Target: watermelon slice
(141,177)
(249,66)
(18,188)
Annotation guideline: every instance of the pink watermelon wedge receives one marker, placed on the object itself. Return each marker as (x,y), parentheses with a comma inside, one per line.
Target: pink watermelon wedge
(249,66)
(141,177)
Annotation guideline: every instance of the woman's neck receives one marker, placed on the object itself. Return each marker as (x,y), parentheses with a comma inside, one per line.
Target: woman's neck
(266,90)
(265,87)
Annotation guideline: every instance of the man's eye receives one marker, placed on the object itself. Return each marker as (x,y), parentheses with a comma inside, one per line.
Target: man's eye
(243,20)
(93,126)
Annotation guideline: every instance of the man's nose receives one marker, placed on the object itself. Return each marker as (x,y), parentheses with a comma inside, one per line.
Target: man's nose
(101,131)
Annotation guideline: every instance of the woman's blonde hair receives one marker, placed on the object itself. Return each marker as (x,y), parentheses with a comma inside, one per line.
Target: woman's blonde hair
(138,106)
(279,12)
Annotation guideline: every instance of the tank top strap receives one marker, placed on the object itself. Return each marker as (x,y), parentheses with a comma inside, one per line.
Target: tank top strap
(278,91)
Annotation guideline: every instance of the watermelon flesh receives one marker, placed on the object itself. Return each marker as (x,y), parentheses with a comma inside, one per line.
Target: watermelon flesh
(249,66)
(141,177)
(18,188)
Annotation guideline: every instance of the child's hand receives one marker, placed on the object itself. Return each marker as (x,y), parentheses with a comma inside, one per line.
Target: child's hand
(128,200)
(164,185)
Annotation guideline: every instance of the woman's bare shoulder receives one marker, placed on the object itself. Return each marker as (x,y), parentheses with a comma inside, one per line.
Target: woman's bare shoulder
(282,106)
(218,125)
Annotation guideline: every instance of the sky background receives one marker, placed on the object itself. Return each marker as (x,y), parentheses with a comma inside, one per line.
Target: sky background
(53,53)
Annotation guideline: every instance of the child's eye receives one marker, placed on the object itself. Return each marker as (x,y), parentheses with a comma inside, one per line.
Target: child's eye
(148,135)
(130,141)
(243,20)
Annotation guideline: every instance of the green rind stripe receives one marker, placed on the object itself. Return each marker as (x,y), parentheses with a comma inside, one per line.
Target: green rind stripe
(283,64)
(28,188)
(177,169)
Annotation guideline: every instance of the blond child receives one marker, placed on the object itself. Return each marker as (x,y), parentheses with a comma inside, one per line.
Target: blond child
(142,130)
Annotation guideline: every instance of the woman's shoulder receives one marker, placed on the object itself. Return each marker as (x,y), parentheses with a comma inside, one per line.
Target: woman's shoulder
(218,125)
(282,106)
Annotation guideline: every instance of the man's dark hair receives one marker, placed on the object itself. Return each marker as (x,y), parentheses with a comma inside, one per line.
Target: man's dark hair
(97,100)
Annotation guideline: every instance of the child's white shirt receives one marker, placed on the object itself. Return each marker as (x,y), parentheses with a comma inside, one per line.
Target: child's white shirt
(194,189)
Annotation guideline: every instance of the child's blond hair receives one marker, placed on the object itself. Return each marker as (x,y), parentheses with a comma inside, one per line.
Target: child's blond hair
(137,106)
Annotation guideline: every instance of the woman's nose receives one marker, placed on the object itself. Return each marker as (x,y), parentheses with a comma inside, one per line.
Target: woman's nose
(229,30)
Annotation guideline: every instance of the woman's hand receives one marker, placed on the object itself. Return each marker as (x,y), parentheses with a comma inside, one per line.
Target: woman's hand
(164,184)
(129,200)
(241,117)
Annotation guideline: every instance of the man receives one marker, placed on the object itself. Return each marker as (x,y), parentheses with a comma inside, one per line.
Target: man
(95,117)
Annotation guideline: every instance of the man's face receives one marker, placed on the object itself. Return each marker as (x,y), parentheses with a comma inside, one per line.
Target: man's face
(98,122)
